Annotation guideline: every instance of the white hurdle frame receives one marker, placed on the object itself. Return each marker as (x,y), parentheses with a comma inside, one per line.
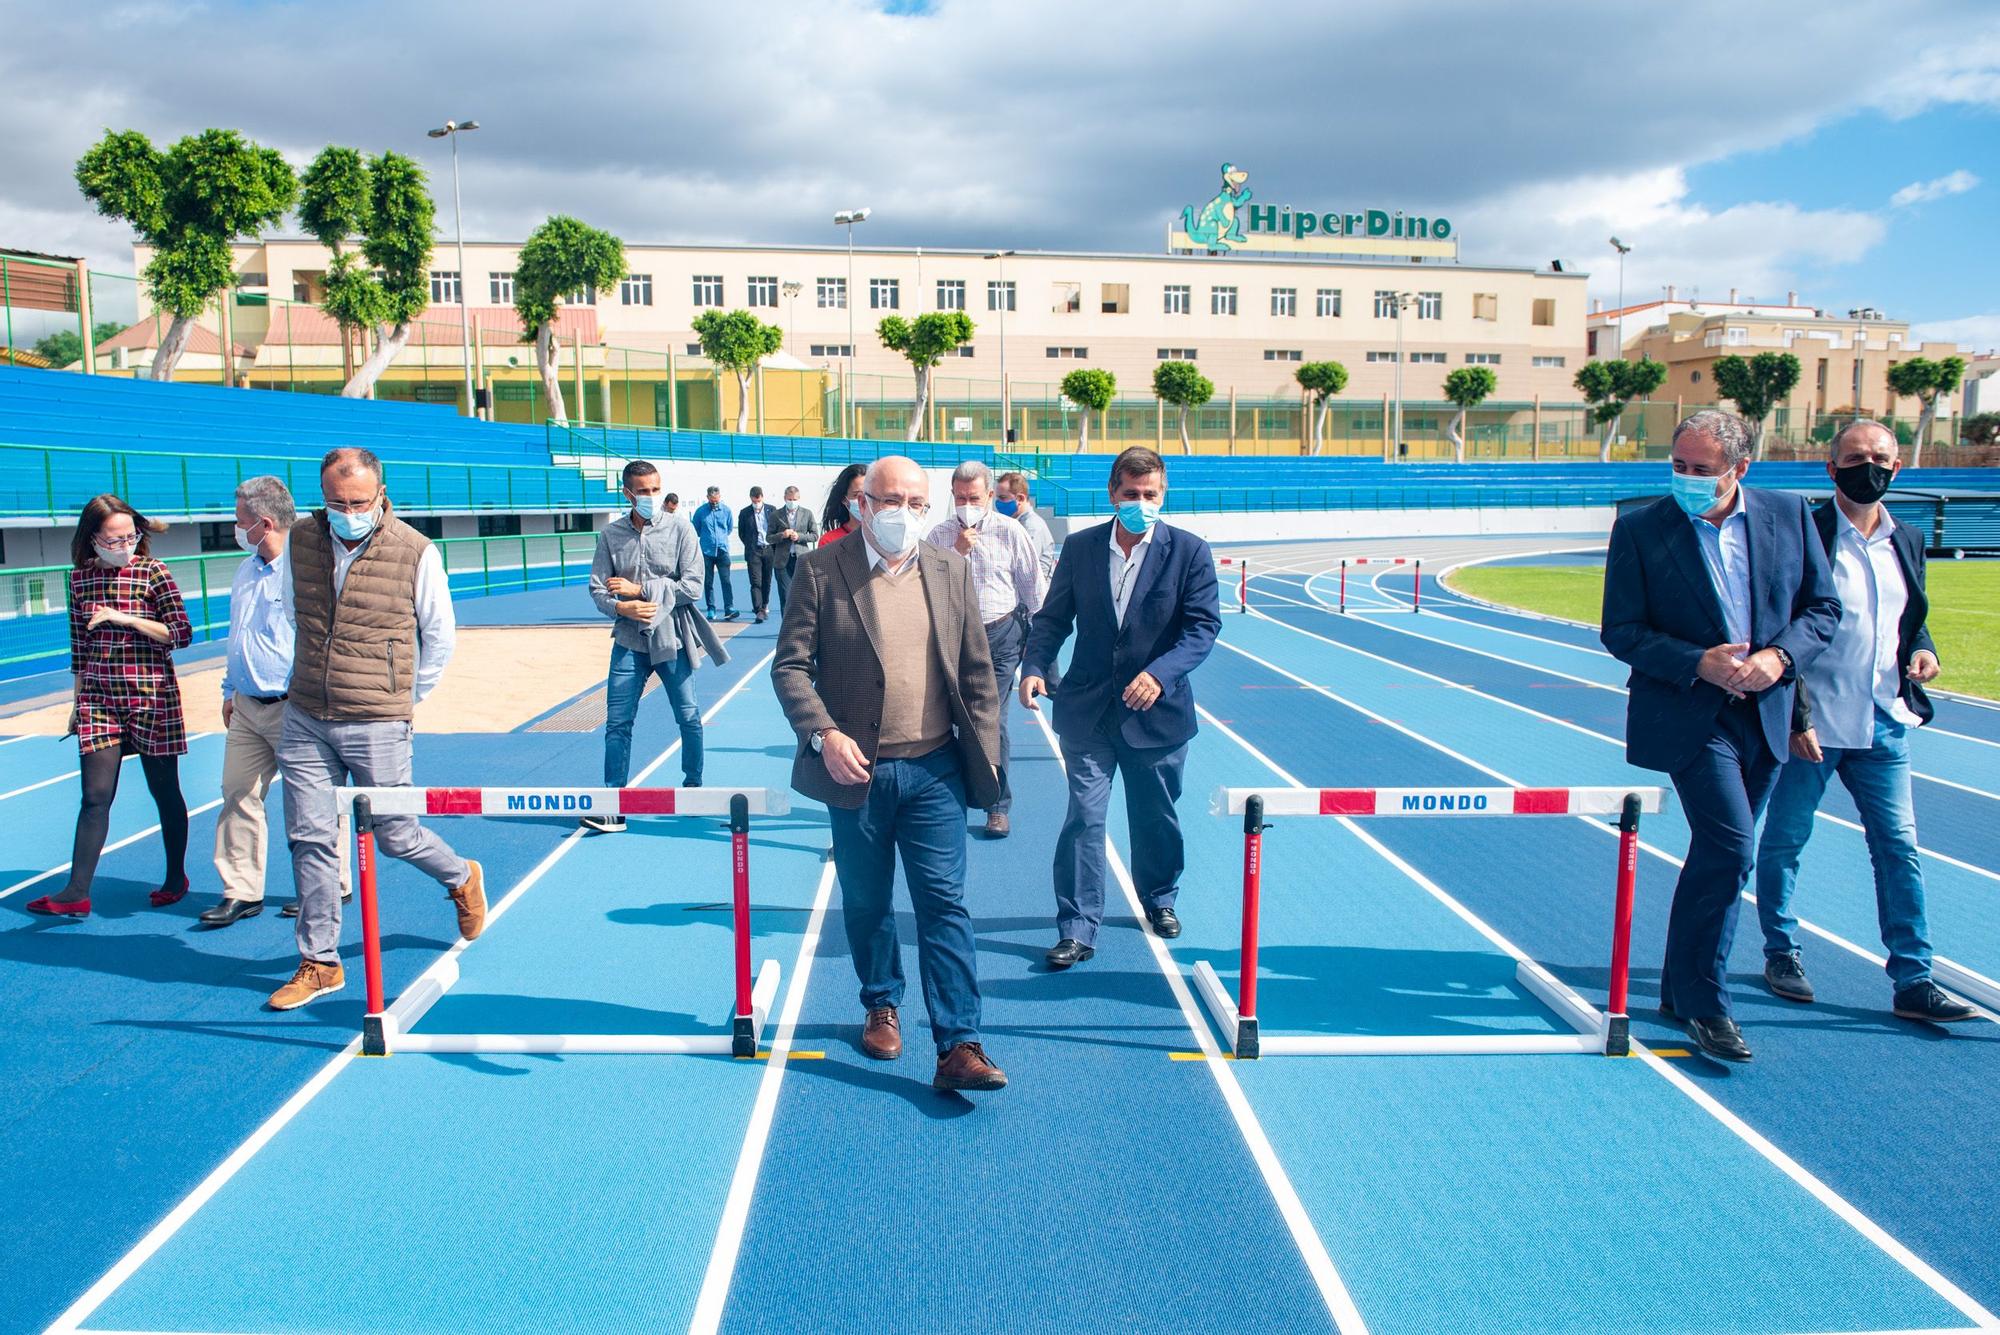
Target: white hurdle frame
(1596,1031)
(386,1028)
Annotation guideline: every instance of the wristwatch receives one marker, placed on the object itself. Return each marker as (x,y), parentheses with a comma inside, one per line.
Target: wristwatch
(1783,657)
(818,739)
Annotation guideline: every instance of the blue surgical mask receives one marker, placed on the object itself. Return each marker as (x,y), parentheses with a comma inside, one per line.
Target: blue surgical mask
(648,507)
(1139,516)
(353,528)
(1696,495)
(1007,507)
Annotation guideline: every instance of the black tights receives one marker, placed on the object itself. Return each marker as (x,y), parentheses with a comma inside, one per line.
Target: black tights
(93,822)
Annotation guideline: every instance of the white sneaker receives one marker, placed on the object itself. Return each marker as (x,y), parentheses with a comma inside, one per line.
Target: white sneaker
(604,824)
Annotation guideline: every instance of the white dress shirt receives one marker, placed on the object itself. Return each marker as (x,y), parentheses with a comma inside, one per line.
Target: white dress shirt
(1725,550)
(261,633)
(437,627)
(1006,572)
(1125,569)
(1857,673)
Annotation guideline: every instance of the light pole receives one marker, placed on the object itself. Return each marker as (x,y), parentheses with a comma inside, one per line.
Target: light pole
(847,218)
(1403,302)
(1006,403)
(451,130)
(1623,250)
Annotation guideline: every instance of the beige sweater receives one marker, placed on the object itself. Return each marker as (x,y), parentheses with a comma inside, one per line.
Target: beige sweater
(916,718)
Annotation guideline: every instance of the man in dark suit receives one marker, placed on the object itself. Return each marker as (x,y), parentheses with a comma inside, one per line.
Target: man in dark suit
(1856,707)
(798,533)
(1717,597)
(757,529)
(883,670)
(1141,597)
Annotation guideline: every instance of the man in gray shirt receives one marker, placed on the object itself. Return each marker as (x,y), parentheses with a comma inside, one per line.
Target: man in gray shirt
(646,576)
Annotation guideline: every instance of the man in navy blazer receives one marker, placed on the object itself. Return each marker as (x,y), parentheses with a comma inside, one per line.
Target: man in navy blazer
(1717,597)
(1142,599)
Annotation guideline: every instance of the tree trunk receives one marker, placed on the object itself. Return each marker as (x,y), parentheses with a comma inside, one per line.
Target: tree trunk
(1319,424)
(1458,436)
(1186,448)
(1604,443)
(1083,431)
(389,343)
(742,402)
(172,346)
(922,407)
(346,353)
(1923,436)
(545,363)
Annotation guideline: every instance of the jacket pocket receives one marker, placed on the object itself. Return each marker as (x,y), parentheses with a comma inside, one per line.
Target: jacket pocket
(392,667)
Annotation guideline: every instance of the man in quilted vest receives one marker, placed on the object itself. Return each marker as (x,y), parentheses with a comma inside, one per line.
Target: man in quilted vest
(373,614)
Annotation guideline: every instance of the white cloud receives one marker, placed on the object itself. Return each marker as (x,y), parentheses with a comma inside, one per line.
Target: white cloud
(1922,192)
(1975,333)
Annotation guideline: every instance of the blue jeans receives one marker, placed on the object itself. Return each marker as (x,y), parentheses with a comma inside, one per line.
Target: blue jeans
(715,570)
(916,807)
(627,682)
(1152,785)
(1878,778)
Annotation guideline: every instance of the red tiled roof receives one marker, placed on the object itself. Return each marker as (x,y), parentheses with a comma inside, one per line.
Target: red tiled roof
(147,333)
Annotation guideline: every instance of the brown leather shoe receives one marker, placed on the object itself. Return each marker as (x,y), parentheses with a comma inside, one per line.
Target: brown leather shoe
(471,901)
(311,981)
(996,825)
(964,1066)
(882,1035)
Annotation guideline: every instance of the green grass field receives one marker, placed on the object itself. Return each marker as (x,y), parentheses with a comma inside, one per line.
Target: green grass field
(1965,609)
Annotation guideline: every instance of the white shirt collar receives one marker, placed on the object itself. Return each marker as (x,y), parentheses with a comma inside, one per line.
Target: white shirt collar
(877,561)
(1844,525)
(1145,541)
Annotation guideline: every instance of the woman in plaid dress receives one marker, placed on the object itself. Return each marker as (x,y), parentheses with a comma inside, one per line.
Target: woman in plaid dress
(125,620)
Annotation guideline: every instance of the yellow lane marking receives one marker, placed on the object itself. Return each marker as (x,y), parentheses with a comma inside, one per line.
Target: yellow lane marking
(795,1055)
(1199,1056)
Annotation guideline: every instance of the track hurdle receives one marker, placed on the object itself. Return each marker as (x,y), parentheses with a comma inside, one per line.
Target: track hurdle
(1242,565)
(1416,588)
(386,1028)
(1608,1031)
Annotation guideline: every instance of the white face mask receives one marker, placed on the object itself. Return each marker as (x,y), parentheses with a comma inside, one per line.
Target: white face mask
(970,515)
(243,539)
(115,557)
(895,531)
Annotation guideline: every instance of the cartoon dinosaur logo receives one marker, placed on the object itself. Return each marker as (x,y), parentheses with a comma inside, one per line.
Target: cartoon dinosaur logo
(1219,223)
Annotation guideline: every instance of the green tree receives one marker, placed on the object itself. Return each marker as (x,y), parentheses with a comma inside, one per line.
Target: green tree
(1184,386)
(1756,385)
(1468,387)
(1091,391)
(1608,386)
(188,204)
(924,341)
(386,202)
(334,201)
(1321,381)
(1927,380)
(561,257)
(1981,429)
(737,342)
(63,347)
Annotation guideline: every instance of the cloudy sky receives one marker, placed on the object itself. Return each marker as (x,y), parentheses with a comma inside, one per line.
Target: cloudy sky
(1848,150)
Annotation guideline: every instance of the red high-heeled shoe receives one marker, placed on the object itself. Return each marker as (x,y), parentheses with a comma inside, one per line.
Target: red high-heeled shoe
(163,896)
(50,906)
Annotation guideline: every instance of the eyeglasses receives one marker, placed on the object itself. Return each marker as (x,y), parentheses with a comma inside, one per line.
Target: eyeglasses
(353,507)
(130,540)
(917,508)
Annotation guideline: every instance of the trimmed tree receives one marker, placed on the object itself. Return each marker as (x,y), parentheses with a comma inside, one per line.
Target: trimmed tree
(1756,385)
(736,342)
(1608,386)
(1092,392)
(188,203)
(924,341)
(394,289)
(334,201)
(1185,387)
(1321,381)
(1926,379)
(1468,387)
(560,257)
(1980,429)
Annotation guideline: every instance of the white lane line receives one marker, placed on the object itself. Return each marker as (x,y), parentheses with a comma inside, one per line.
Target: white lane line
(1820,1191)
(129,839)
(9,741)
(1346,1316)
(722,1257)
(45,783)
(143,1251)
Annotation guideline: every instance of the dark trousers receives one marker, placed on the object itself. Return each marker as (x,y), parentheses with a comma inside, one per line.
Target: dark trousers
(915,807)
(1006,638)
(1152,777)
(757,569)
(1723,791)
(716,568)
(783,570)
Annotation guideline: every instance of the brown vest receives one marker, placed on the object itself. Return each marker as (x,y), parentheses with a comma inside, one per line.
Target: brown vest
(356,655)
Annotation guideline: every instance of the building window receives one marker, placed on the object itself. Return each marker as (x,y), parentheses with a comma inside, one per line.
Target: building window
(1074,353)
(1486,305)
(999,296)
(1430,305)
(1178,298)
(951,294)
(636,290)
(501,287)
(586,296)
(218,537)
(694,349)
(1381,356)
(832,350)
(708,289)
(1222,301)
(885,294)
(444,287)
(833,294)
(1177,354)
(576,522)
(1284,355)
(1385,304)
(1327,304)
(1284,301)
(962,350)
(1066,298)
(1550,363)
(1694,377)
(1115,298)
(1545,310)
(431,526)
(1482,359)
(1428,358)
(1737,338)
(499,526)
(764,291)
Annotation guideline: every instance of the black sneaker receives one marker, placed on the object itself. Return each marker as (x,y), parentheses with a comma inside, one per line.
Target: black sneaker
(1786,978)
(1928,1001)
(604,824)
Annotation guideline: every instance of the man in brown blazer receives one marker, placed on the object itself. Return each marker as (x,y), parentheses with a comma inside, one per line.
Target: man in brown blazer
(884,672)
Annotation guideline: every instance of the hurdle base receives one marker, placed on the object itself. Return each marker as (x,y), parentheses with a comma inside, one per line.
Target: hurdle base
(374,1035)
(1618,1036)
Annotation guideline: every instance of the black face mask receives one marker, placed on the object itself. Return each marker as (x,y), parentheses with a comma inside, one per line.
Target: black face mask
(1863,483)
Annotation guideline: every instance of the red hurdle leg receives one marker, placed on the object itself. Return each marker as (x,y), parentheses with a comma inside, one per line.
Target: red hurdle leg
(1243,587)
(1253,875)
(1417,589)
(1343,586)
(373,1042)
(744,1039)
(1618,1031)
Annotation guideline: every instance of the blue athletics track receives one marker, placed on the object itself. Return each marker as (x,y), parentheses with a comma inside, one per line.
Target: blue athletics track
(178,1159)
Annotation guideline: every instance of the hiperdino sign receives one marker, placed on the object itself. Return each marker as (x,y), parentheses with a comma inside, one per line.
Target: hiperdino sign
(1230,221)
